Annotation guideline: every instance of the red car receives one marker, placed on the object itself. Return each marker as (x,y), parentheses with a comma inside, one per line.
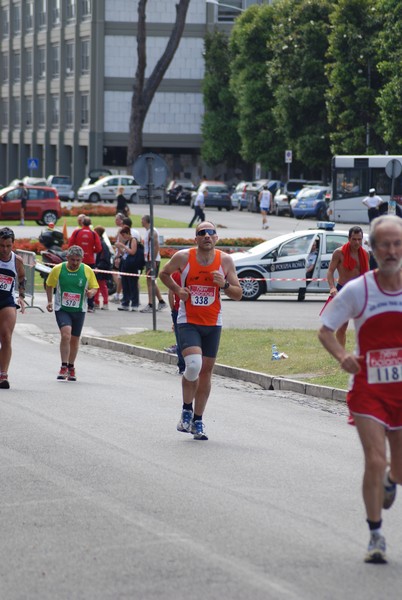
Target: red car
(43,204)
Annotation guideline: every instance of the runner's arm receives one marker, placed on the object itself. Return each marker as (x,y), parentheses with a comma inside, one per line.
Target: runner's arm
(176,263)
(349,362)
(233,290)
(333,265)
(21,282)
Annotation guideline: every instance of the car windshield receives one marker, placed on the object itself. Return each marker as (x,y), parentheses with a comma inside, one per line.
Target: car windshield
(310,193)
(217,188)
(293,186)
(61,181)
(299,245)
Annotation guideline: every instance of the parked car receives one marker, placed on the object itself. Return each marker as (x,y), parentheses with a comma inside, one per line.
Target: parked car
(106,189)
(279,265)
(179,191)
(239,196)
(43,204)
(311,202)
(253,191)
(63,185)
(218,195)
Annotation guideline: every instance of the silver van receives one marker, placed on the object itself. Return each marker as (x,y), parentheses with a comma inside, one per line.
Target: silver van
(63,185)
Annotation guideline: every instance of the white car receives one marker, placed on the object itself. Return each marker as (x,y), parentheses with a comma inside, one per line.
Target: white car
(279,265)
(106,189)
(63,185)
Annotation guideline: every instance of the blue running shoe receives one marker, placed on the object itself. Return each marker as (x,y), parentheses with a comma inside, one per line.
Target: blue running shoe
(184,424)
(376,551)
(198,430)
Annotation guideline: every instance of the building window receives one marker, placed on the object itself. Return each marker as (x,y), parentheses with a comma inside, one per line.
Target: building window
(84,110)
(70,9)
(55,61)
(41,7)
(69,111)
(86,8)
(5,25)
(55,110)
(84,56)
(41,111)
(55,12)
(41,62)
(227,14)
(16,8)
(69,58)
(28,64)
(16,66)
(29,15)
(4,114)
(4,68)
(16,113)
(28,112)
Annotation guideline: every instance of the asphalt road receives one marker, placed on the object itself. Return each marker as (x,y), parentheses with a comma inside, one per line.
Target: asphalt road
(101,498)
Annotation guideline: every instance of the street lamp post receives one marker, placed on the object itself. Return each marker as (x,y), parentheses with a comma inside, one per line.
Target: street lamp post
(224,5)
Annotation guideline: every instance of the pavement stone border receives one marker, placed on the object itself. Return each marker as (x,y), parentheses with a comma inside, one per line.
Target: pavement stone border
(267,382)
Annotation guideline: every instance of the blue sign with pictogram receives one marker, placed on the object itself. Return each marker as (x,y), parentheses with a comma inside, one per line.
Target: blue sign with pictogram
(33,163)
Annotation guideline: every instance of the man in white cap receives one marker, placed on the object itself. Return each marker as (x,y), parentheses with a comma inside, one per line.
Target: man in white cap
(372,201)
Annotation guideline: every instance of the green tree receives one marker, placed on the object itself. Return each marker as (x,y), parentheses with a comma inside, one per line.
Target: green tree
(353,112)
(219,127)
(250,45)
(390,67)
(297,75)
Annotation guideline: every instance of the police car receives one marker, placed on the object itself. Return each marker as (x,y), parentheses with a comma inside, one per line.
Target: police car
(279,265)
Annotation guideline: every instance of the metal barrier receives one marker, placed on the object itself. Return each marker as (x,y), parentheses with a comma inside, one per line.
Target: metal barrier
(29,260)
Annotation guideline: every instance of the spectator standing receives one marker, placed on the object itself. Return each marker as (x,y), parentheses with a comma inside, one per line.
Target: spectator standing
(75,282)
(265,200)
(146,223)
(127,248)
(23,196)
(199,205)
(372,201)
(103,262)
(122,205)
(374,302)
(89,241)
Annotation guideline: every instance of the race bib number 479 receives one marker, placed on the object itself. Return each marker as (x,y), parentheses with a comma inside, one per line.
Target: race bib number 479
(384,366)
(202,295)
(70,300)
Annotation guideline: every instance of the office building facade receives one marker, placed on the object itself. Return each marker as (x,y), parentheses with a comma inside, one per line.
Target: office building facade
(66,80)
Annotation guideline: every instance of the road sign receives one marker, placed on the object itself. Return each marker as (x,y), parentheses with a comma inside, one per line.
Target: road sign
(393,168)
(33,163)
(288,156)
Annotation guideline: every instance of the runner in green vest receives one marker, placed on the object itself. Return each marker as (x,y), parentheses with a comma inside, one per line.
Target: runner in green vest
(75,282)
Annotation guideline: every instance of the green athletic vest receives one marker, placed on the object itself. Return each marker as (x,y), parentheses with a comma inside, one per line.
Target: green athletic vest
(72,286)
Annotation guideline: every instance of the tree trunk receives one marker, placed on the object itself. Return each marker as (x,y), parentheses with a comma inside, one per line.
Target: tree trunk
(144,90)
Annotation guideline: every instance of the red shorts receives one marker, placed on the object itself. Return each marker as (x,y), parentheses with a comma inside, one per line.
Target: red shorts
(381,405)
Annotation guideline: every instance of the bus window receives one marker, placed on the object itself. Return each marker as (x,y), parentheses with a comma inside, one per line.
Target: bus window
(351,182)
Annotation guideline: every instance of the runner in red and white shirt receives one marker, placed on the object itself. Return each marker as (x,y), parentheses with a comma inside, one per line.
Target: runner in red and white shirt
(204,271)
(374,301)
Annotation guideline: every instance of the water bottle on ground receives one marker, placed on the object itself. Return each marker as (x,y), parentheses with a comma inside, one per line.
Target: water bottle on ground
(275,353)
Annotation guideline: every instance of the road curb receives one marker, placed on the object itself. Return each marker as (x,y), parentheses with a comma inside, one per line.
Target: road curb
(267,382)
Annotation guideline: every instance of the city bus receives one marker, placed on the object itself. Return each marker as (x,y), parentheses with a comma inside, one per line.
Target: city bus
(352,177)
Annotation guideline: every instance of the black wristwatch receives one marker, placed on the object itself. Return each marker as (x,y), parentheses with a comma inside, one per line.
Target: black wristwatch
(225,287)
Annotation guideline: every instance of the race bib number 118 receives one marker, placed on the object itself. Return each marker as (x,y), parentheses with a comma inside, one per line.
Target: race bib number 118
(384,366)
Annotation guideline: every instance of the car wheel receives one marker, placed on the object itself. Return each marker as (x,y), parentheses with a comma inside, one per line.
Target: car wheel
(291,215)
(322,214)
(133,198)
(301,295)
(228,208)
(251,288)
(219,208)
(94,197)
(240,208)
(49,217)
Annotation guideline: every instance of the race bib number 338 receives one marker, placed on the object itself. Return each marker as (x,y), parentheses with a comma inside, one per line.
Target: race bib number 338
(202,295)
(384,366)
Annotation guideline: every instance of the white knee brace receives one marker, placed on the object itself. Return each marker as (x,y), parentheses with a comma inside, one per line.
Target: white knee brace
(193,366)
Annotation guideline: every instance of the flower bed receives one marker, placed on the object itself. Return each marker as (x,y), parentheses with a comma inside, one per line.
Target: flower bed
(90,210)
